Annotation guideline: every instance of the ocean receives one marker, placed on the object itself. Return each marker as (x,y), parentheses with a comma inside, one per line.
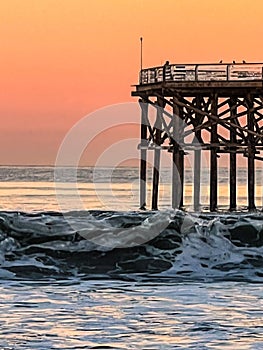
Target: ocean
(82,268)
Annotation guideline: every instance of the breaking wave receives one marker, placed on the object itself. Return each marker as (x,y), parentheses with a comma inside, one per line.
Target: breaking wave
(208,247)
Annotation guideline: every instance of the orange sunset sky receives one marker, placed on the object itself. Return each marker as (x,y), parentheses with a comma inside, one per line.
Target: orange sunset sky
(62,59)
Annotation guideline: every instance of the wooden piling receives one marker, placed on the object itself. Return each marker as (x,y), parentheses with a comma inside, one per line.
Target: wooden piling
(176,195)
(233,158)
(250,155)
(213,158)
(197,159)
(181,174)
(157,153)
(143,151)
(178,158)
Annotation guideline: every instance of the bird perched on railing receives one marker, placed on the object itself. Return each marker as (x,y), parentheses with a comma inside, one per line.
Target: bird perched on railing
(220,61)
(244,61)
(234,62)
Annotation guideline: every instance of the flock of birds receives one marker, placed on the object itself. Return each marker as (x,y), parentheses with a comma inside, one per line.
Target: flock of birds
(234,62)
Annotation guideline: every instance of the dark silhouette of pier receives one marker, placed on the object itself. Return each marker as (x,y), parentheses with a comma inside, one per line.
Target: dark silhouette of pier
(212,107)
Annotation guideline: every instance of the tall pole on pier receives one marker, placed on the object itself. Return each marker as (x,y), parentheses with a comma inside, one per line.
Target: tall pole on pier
(141,39)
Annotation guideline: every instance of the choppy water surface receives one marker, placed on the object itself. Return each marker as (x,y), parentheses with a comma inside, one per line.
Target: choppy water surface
(124,279)
(131,315)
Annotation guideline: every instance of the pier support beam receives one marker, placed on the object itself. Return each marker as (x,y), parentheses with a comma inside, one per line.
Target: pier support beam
(143,164)
(178,158)
(197,159)
(213,158)
(181,173)
(157,153)
(233,158)
(251,155)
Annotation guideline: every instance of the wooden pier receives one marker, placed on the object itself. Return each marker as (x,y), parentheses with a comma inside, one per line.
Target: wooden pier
(212,107)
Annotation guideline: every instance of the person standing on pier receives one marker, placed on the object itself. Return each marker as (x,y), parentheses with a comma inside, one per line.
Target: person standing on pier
(166,70)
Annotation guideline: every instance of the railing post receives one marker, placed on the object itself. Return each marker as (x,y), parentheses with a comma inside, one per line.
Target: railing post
(196,72)
(227,72)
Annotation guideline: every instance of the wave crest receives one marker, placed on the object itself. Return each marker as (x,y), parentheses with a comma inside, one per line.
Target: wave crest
(189,246)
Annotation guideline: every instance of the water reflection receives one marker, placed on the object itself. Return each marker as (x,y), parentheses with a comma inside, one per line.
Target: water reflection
(135,316)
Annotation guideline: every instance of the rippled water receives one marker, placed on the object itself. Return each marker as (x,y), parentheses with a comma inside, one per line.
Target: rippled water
(91,279)
(120,315)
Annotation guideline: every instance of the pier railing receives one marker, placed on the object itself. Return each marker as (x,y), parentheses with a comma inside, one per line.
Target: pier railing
(202,72)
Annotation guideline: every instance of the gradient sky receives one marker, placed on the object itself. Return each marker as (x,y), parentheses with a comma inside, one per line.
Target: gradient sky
(62,59)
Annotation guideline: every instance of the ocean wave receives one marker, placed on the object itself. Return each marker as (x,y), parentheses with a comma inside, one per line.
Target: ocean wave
(158,245)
